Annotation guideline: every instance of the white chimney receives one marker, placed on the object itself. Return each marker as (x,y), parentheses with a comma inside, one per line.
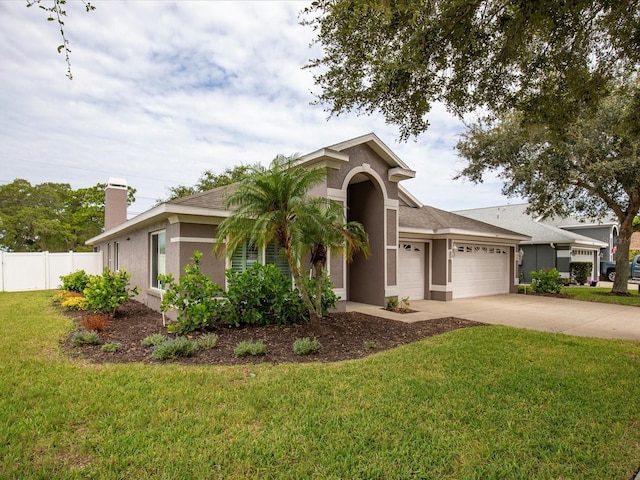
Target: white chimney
(115,203)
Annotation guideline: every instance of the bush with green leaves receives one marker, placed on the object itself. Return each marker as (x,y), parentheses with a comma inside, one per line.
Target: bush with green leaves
(195,297)
(85,337)
(173,348)
(105,293)
(75,282)
(249,348)
(580,271)
(111,347)
(546,281)
(261,295)
(306,346)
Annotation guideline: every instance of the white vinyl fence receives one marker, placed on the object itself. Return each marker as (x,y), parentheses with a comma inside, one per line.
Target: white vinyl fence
(22,271)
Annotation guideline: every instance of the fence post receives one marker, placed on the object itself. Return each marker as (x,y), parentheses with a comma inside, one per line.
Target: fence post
(45,259)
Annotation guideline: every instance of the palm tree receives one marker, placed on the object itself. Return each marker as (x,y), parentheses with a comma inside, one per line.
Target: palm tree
(271,205)
(327,229)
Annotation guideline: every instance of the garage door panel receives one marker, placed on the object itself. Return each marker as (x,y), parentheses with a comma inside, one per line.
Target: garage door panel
(479,270)
(411,274)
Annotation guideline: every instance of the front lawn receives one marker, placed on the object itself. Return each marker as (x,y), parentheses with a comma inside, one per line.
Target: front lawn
(602,295)
(491,402)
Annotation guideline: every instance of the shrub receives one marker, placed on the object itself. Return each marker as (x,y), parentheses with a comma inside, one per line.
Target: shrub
(305,346)
(105,293)
(75,282)
(546,281)
(370,344)
(207,341)
(249,348)
(111,347)
(261,295)
(174,347)
(153,340)
(580,271)
(96,322)
(84,337)
(195,298)
(392,304)
(72,301)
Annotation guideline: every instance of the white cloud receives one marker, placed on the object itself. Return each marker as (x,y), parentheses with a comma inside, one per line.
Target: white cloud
(165,90)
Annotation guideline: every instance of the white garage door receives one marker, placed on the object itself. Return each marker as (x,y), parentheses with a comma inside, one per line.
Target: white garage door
(479,270)
(411,270)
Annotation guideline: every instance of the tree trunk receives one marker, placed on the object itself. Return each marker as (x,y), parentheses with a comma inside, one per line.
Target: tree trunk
(318,276)
(620,283)
(297,279)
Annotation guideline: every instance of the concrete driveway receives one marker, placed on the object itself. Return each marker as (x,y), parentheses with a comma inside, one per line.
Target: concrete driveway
(546,314)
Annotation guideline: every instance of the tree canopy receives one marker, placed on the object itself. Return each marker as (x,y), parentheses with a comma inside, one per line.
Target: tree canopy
(591,169)
(208,180)
(50,216)
(548,58)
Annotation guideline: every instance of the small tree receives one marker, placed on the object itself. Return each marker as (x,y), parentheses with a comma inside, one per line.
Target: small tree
(105,293)
(195,297)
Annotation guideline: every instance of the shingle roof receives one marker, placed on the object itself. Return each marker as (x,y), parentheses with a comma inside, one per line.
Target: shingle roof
(515,217)
(214,199)
(435,219)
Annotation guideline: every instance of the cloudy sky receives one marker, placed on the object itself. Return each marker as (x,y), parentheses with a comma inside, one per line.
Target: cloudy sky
(163,91)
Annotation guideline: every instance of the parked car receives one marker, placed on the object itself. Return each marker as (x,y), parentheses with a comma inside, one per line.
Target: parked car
(608,269)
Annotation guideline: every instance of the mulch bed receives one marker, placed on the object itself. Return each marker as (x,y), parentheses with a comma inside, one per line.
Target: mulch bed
(343,336)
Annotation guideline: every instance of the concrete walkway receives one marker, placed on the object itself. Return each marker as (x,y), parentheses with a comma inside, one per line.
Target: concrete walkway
(573,317)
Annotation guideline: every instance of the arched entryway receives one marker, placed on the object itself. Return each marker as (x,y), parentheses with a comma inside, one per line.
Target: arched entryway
(365,204)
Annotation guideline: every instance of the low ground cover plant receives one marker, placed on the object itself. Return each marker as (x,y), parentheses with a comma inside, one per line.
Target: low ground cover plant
(173,348)
(207,341)
(85,337)
(111,347)
(153,340)
(306,346)
(249,348)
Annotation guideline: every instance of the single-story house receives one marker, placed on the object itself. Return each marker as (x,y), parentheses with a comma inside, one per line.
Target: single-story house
(416,251)
(552,243)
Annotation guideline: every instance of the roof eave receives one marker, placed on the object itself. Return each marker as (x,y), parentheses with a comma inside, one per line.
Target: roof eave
(161,212)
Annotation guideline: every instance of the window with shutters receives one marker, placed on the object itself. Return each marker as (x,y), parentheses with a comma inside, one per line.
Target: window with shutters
(248,254)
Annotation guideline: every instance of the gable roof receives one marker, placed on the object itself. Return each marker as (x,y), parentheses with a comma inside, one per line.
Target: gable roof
(431,220)
(515,217)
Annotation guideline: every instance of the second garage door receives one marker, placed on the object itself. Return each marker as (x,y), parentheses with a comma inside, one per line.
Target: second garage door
(479,270)
(411,273)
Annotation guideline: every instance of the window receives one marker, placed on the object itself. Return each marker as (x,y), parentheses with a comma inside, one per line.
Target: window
(116,256)
(244,257)
(247,255)
(158,257)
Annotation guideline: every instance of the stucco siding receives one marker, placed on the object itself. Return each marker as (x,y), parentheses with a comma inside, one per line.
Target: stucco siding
(358,156)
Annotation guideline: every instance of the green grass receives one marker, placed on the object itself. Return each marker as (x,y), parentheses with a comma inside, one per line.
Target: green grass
(489,402)
(602,295)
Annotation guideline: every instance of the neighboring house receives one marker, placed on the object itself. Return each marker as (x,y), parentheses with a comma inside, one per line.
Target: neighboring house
(635,241)
(416,251)
(550,246)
